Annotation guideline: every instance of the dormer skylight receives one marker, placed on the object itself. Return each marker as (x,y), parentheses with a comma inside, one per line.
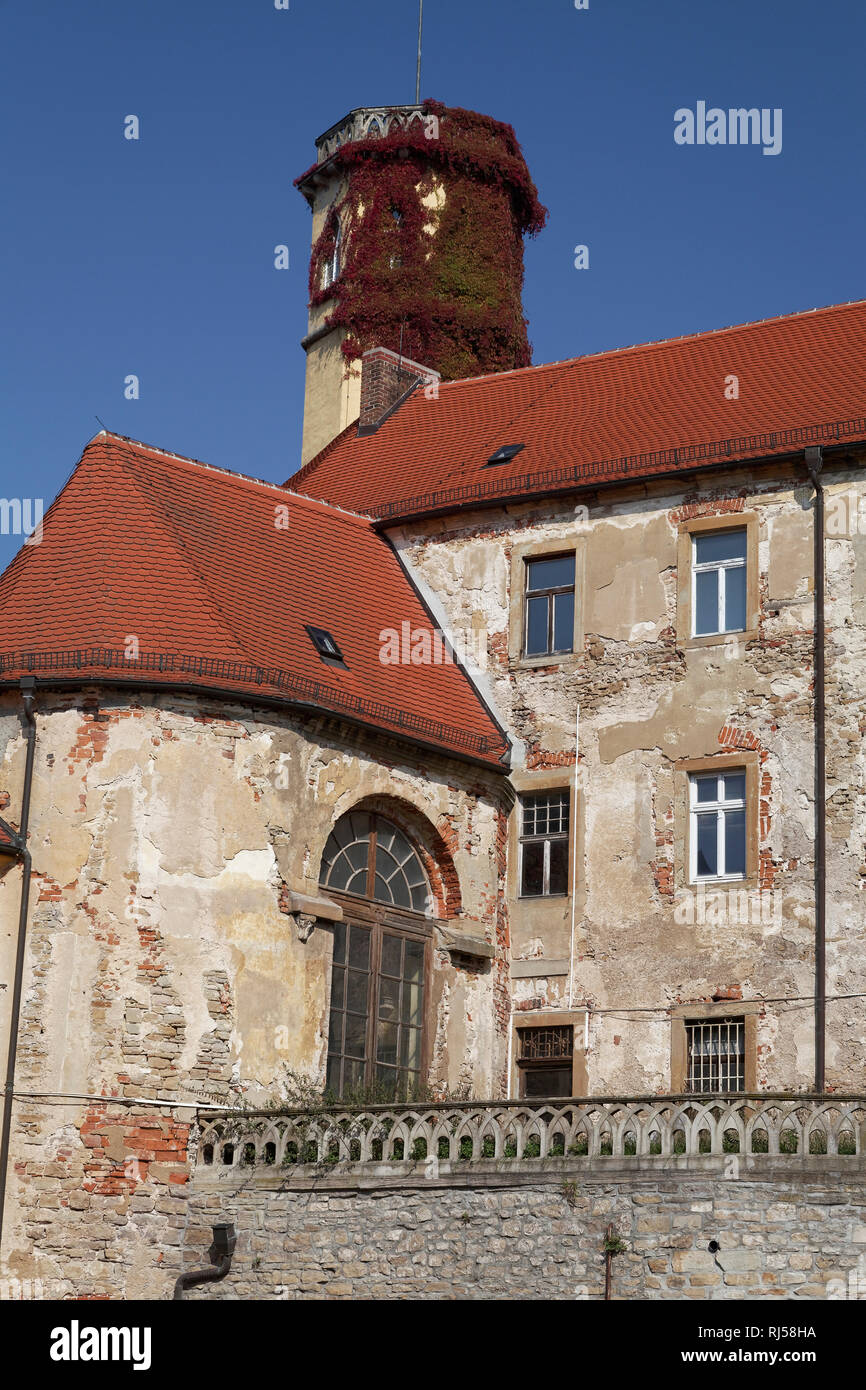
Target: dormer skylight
(506,453)
(324,643)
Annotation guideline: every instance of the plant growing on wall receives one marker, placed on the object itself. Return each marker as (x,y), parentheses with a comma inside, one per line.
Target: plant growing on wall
(446,272)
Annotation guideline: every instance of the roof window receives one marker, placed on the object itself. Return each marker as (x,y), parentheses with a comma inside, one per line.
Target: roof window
(506,453)
(324,643)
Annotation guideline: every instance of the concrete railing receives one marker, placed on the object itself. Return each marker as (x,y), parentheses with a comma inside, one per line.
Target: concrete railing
(641,1129)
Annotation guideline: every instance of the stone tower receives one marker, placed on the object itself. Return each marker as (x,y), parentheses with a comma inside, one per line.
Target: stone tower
(419,214)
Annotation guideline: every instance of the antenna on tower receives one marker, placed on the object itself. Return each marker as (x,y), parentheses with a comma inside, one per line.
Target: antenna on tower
(418,69)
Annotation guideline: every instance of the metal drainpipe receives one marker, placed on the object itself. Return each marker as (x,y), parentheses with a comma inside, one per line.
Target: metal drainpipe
(27,693)
(220,1255)
(814,464)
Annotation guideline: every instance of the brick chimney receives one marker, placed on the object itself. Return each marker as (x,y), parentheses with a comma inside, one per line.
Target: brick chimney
(385,377)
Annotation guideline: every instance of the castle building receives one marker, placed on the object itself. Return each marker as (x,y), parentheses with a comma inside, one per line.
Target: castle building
(512,748)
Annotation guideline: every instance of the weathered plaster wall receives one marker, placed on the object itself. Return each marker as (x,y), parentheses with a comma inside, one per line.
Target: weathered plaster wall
(162,964)
(649,700)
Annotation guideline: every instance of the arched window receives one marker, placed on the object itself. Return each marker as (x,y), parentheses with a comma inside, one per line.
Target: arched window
(370,857)
(376,1036)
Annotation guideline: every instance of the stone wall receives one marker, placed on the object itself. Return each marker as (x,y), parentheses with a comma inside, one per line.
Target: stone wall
(804,1237)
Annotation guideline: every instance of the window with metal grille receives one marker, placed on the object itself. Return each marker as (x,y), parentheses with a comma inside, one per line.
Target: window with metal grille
(544,1060)
(544,827)
(540,1044)
(549,624)
(716,1055)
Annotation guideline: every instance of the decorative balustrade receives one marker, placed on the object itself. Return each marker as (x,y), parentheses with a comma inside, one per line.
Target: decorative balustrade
(643,1129)
(366,123)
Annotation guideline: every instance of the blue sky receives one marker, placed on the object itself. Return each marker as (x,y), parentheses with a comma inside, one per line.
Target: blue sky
(156,258)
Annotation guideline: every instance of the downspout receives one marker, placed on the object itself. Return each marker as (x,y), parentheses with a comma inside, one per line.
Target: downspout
(220,1255)
(574,859)
(814,464)
(27,695)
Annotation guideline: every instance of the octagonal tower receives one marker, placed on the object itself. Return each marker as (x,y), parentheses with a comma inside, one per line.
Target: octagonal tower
(419,215)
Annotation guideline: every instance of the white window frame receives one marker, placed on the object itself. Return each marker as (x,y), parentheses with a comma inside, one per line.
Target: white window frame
(721,565)
(720,806)
(332,265)
(546,839)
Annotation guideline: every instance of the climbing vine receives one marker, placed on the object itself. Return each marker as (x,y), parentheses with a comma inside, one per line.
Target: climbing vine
(447,272)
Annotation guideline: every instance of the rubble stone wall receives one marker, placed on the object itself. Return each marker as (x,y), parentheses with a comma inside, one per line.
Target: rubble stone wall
(543,1239)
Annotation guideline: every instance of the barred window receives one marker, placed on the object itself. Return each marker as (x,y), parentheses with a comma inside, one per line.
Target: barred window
(540,1044)
(544,828)
(716,1055)
(544,1060)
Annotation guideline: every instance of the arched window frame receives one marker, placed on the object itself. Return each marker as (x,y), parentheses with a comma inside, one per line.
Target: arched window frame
(381,836)
(378,1041)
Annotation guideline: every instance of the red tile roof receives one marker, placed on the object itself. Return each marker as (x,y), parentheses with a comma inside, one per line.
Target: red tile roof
(189,560)
(659,407)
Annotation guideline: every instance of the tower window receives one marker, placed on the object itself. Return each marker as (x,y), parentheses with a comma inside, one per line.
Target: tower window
(332,264)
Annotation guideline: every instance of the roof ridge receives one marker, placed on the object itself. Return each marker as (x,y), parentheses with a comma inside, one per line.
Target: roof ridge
(230,475)
(649,345)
